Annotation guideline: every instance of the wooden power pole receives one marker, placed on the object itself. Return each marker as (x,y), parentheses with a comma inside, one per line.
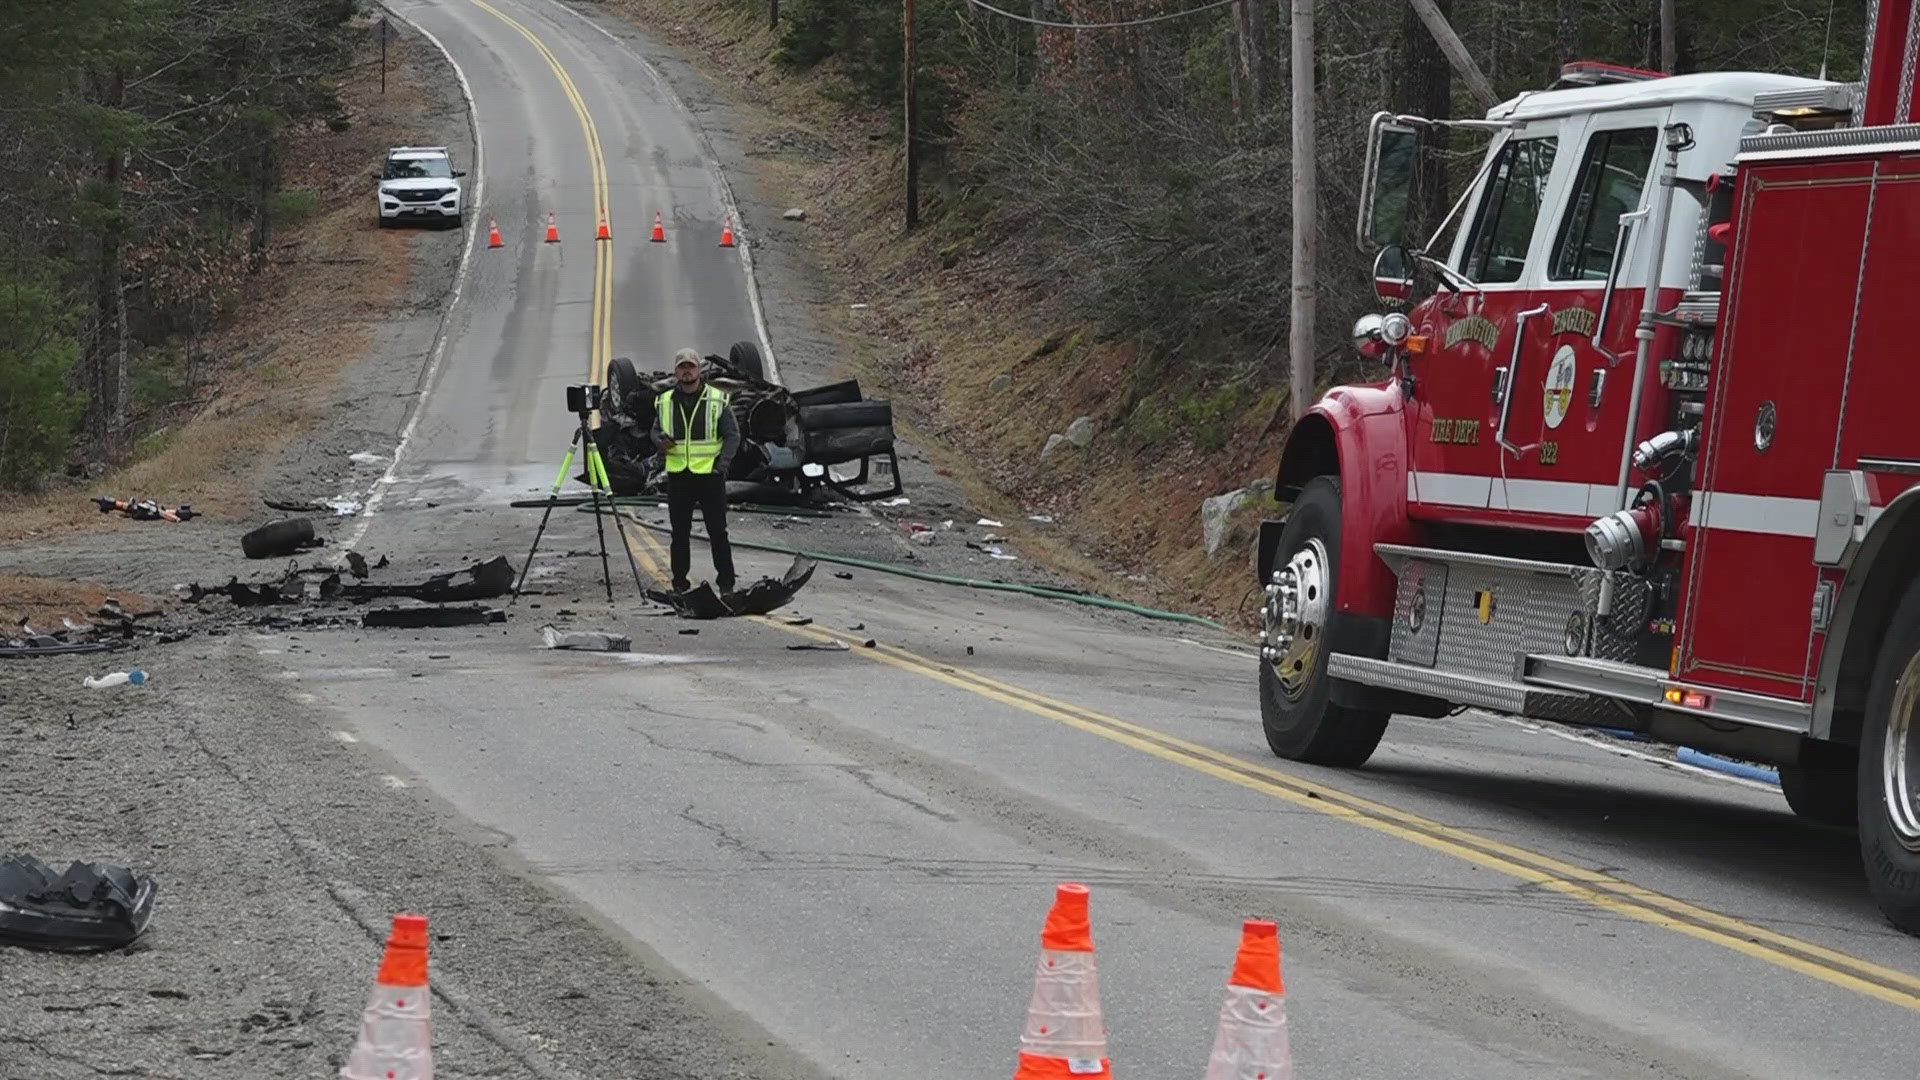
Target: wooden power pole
(1456,51)
(1669,47)
(1306,198)
(911,70)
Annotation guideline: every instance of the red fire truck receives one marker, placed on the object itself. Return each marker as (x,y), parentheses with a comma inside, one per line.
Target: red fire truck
(1645,457)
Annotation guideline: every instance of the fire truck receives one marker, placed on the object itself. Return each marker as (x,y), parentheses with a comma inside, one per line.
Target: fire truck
(1647,455)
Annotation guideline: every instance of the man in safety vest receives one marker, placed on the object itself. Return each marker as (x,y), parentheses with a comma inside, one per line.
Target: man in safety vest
(696,433)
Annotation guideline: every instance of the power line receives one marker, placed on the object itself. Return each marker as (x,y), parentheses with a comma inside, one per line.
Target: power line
(984,6)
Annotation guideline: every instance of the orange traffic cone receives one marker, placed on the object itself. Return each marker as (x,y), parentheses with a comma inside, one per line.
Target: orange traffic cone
(1251,1043)
(553,229)
(396,1037)
(726,234)
(1065,1035)
(493,234)
(659,229)
(605,233)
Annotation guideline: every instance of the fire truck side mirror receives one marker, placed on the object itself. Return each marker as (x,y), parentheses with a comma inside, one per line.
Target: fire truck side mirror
(1386,187)
(1393,275)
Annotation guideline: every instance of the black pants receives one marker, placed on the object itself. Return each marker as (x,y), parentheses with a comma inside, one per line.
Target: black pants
(708,491)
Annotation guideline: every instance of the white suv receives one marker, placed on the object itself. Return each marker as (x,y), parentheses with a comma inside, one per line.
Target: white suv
(419,183)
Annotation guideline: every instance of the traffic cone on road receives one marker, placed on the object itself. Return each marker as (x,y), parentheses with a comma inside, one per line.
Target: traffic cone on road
(493,234)
(605,233)
(1251,1042)
(1065,1034)
(659,228)
(553,229)
(726,234)
(396,1037)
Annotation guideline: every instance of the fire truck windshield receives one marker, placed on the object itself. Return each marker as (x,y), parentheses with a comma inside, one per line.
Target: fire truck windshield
(1496,249)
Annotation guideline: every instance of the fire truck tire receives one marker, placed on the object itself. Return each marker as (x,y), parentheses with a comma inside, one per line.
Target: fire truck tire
(1890,770)
(1822,793)
(1307,726)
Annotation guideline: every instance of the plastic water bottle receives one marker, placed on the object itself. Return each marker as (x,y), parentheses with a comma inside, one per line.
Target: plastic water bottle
(118,678)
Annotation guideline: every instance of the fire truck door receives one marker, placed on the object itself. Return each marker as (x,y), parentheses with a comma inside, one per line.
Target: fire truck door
(1562,437)
(1772,425)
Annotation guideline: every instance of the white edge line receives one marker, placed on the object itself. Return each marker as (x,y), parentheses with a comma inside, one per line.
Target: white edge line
(1623,751)
(439,350)
(721,187)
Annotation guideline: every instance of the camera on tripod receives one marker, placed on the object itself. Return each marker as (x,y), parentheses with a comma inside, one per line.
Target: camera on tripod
(583,399)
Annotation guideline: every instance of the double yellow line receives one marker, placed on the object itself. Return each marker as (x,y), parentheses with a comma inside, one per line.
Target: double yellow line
(1603,891)
(602,347)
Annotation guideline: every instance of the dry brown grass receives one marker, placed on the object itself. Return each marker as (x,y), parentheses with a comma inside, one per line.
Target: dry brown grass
(43,602)
(305,319)
(955,304)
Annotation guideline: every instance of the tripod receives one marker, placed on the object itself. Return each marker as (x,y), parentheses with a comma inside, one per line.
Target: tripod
(597,481)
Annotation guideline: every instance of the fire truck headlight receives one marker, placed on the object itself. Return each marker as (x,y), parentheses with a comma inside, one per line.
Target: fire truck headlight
(1369,335)
(1395,328)
(1616,540)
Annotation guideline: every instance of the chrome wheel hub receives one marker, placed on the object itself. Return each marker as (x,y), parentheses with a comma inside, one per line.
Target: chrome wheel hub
(1900,761)
(1294,618)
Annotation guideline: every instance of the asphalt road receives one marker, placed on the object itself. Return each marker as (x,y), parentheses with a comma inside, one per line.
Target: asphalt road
(855,849)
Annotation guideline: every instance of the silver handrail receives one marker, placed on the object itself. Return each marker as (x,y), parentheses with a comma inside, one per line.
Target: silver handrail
(1513,372)
(1613,281)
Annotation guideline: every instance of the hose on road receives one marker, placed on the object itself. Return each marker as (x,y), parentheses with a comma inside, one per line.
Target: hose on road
(1689,756)
(947,579)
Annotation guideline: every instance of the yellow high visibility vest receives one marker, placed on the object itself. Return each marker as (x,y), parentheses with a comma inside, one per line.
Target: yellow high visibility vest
(697,436)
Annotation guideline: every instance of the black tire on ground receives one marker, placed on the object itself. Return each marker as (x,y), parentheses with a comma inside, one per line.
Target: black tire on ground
(383,222)
(277,538)
(830,394)
(846,444)
(746,359)
(847,414)
(1309,727)
(1892,865)
(1824,791)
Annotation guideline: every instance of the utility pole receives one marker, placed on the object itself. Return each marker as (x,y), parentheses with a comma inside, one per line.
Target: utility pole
(911,64)
(1669,49)
(773,14)
(383,54)
(1456,51)
(1306,198)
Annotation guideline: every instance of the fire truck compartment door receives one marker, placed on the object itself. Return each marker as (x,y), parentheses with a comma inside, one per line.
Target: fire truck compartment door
(1773,416)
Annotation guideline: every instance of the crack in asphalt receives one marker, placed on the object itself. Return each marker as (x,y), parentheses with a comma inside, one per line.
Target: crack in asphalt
(865,773)
(723,837)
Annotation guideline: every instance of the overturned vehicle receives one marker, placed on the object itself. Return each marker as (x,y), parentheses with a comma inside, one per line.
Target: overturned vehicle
(796,446)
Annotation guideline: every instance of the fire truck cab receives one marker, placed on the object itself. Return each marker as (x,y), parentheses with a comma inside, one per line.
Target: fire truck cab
(1645,458)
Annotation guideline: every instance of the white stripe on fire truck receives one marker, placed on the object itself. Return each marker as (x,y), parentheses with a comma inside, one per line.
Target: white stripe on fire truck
(1770,514)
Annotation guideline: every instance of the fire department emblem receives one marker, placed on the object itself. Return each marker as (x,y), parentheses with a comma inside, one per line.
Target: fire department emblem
(1559,392)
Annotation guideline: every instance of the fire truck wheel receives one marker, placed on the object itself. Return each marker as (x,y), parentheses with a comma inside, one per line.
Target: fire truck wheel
(1300,722)
(1823,792)
(1889,792)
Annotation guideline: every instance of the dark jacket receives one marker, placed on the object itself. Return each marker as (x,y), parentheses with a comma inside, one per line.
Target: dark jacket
(683,404)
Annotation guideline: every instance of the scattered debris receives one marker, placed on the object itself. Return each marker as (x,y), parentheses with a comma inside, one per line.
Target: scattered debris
(136,677)
(759,598)
(795,214)
(991,524)
(821,646)
(843,575)
(585,640)
(481,581)
(365,458)
(423,618)
(145,509)
(969,650)
(869,644)
(278,538)
(801,620)
(857,627)
(1044,519)
(923,537)
(92,906)
(1000,384)
(691,630)
(897,501)
(296,506)
(357,564)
